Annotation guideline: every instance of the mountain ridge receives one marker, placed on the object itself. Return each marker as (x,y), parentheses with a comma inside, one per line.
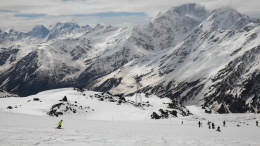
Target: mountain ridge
(180,54)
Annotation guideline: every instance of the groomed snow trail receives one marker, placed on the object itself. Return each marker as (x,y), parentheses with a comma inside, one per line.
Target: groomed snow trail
(24,130)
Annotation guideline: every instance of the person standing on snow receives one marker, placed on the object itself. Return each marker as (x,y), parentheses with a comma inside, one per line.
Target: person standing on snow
(209,124)
(218,129)
(213,126)
(200,124)
(256,122)
(224,123)
(59,124)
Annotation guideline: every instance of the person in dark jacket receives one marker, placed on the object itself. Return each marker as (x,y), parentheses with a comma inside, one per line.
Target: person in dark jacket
(213,126)
(200,124)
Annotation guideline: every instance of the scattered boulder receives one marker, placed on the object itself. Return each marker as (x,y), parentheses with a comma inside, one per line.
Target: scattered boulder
(9,107)
(155,116)
(36,99)
(174,112)
(208,111)
(64,99)
(164,114)
(147,95)
(79,89)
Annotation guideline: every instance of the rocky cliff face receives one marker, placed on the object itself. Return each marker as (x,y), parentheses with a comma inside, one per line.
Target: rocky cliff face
(188,53)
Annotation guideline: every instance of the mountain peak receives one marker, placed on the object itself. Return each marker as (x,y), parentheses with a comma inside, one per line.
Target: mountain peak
(62,28)
(66,25)
(227,18)
(86,26)
(39,31)
(98,26)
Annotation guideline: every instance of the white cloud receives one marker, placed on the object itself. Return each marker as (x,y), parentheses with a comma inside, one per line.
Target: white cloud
(58,10)
(26,24)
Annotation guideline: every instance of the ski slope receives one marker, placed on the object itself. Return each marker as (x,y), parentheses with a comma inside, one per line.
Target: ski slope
(116,125)
(19,129)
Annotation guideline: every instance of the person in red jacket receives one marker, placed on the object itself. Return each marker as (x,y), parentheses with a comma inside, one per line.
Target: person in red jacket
(218,129)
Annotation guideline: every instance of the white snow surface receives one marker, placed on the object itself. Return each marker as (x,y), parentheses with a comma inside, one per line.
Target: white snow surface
(102,110)
(129,126)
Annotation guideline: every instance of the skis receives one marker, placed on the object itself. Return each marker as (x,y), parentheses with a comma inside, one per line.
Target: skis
(57,128)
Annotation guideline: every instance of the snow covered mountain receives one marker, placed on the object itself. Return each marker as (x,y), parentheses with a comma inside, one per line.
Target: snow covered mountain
(189,53)
(4,93)
(69,102)
(39,31)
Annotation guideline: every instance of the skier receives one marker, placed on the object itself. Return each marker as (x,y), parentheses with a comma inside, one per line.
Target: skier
(213,126)
(200,124)
(59,124)
(209,124)
(224,123)
(256,122)
(181,122)
(218,129)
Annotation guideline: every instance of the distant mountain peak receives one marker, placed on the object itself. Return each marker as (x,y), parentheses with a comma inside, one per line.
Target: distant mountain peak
(39,31)
(66,25)
(62,28)
(99,26)
(86,26)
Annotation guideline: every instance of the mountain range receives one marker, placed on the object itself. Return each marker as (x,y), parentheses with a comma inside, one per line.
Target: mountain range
(188,53)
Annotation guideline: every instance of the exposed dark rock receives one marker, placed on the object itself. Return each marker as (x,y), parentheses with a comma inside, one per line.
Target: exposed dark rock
(9,107)
(36,99)
(64,99)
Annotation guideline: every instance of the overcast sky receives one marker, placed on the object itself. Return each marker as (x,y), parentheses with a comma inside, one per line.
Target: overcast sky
(22,15)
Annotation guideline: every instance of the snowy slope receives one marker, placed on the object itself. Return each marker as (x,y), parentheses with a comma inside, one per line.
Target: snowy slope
(24,129)
(96,109)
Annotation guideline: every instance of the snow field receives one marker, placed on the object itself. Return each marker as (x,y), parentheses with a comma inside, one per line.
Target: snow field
(20,129)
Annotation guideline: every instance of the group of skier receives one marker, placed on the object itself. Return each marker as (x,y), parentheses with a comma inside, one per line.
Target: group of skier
(200,124)
(212,125)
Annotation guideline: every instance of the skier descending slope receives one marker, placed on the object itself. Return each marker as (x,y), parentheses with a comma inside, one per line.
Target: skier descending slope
(59,124)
